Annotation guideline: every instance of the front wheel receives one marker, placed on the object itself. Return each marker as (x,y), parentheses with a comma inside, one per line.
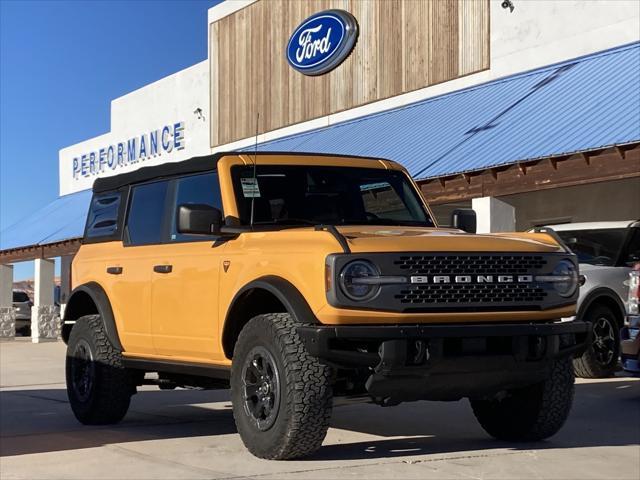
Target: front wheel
(531,413)
(98,387)
(601,359)
(282,397)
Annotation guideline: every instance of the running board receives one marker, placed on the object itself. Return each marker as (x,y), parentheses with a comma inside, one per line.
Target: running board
(182,368)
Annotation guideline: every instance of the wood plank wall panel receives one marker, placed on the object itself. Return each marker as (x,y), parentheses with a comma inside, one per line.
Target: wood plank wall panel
(390,70)
(444,41)
(473,52)
(403,45)
(417,44)
(213,73)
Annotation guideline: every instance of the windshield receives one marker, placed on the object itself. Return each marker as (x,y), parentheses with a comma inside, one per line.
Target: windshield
(301,195)
(20,297)
(595,247)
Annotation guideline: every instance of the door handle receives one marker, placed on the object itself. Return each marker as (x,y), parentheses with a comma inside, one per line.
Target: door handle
(114,270)
(163,268)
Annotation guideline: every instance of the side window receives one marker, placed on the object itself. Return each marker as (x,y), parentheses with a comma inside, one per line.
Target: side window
(102,221)
(146,220)
(201,189)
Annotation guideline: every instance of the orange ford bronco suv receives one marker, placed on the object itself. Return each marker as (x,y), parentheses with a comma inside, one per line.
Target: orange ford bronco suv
(295,279)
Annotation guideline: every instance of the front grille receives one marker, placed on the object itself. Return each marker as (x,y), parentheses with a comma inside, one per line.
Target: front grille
(475,295)
(470,293)
(469,264)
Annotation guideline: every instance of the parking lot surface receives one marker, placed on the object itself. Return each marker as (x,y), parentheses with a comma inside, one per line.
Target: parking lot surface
(190,434)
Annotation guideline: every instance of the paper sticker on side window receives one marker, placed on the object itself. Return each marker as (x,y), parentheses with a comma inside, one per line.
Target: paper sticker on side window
(250,188)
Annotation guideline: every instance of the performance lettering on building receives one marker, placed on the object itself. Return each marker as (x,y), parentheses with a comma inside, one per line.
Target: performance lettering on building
(134,150)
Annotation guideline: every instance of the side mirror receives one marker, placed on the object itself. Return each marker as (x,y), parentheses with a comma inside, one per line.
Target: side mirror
(464,219)
(199,219)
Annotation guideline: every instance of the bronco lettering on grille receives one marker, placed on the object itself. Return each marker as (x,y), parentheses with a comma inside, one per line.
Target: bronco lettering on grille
(472,279)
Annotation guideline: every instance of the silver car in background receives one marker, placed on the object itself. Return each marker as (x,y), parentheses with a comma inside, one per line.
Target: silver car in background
(22,308)
(606,251)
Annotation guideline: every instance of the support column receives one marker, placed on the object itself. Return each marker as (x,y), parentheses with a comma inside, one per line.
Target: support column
(45,318)
(494,215)
(65,281)
(7,315)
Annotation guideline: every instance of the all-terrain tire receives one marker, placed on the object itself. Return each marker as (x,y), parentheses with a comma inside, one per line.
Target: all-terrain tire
(531,413)
(98,386)
(301,419)
(592,364)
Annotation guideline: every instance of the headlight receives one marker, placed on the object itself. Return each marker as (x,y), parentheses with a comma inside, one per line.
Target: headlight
(356,280)
(565,278)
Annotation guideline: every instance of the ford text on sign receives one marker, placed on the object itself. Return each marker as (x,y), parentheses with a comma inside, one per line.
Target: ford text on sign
(322,42)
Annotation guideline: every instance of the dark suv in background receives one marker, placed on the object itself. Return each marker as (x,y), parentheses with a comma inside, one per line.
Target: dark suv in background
(22,308)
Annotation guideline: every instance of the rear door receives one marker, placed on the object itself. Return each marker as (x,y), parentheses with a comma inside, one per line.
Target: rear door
(184,288)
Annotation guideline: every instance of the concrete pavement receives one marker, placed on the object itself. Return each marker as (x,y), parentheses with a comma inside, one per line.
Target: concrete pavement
(191,434)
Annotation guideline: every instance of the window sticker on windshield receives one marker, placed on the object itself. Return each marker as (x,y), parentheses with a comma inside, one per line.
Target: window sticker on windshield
(250,188)
(374,186)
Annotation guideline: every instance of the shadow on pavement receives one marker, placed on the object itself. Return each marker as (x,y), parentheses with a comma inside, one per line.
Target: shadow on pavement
(605,413)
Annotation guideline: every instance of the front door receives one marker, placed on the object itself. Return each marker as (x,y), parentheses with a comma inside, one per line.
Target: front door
(184,286)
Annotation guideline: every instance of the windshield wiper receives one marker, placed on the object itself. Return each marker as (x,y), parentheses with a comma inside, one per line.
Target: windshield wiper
(381,222)
(287,221)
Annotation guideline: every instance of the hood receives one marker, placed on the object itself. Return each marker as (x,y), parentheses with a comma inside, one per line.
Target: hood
(414,239)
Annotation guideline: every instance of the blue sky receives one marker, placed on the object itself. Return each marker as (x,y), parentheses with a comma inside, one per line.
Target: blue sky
(61,63)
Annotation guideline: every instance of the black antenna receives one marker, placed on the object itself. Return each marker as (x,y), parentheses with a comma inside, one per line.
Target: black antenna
(254,186)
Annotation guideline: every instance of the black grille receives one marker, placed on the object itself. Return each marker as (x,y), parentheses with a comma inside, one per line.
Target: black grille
(469,264)
(489,295)
(470,293)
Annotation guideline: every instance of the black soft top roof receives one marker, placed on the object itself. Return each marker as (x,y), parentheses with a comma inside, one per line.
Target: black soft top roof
(171,169)
(205,163)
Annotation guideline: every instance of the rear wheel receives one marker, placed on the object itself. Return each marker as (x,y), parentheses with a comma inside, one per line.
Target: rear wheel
(600,360)
(530,413)
(98,386)
(282,397)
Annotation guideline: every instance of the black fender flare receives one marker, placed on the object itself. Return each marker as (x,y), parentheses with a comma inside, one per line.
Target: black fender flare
(99,297)
(285,292)
(597,294)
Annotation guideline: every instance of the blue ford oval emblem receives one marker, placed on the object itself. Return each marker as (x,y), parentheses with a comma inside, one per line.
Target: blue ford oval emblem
(322,42)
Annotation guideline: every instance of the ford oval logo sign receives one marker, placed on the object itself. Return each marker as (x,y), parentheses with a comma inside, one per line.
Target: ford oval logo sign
(322,42)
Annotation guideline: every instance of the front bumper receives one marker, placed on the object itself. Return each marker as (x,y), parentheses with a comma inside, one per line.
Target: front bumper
(630,344)
(446,362)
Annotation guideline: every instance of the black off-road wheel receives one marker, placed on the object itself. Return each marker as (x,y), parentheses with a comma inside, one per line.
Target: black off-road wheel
(98,386)
(282,397)
(532,413)
(601,359)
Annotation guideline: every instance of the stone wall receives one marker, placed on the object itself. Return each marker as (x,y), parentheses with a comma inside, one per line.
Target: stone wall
(7,322)
(47,323)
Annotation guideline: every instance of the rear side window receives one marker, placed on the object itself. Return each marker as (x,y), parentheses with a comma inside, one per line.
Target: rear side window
(20,297)
(195,189)
(102,220)
(146,219)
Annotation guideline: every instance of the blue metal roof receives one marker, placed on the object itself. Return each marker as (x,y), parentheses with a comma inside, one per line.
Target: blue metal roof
(578,105)
(62,219)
